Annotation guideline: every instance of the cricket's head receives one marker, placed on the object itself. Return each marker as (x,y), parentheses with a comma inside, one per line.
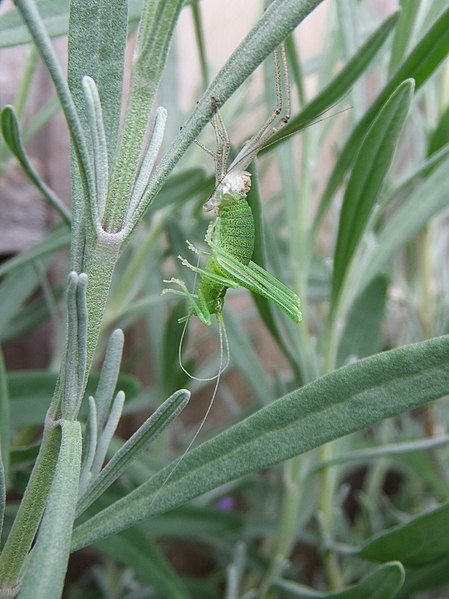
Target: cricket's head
(232,188)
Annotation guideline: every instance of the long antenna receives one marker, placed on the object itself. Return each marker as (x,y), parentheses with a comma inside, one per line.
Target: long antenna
(224,343)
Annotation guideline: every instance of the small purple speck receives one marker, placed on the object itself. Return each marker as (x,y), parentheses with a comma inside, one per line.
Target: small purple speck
(227,504)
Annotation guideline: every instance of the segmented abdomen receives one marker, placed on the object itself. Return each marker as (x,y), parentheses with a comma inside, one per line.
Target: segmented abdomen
(234,231)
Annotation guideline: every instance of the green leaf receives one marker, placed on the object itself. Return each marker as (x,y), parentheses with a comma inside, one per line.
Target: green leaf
(426,200)
(245,359)
(403,32)
(24,454)
(5,421)
(29,514)
(13,31)
(142,556)
(349,399)
(423,540)
(260,253)
(11,134)
(439,137)
(92,51)
(97,38)
(204,522)
(15,289)
(2,494)
(44,576)
(55,15)
(137,443)
(431,576)
(371,166)
(421,172)
(418,447)
(35,312)
(341,84)
(31,390)
(420,64)
(55,240)
(383,583)
(361,336)
(170,377)
(154,37)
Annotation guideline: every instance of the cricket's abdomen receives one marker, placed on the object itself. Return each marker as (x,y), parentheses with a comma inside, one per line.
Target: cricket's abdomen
(234,233)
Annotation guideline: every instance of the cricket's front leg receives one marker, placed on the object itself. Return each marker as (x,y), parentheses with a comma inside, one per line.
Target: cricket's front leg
(210,231)
(196,302)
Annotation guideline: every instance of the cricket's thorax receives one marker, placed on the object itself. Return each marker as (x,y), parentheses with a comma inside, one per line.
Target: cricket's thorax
(234,186)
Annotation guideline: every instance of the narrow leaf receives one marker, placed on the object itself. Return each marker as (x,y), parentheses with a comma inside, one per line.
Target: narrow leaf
(423,540)
(55,240)
(5,422)
(98,141)
(361,336)
(385,450)
(97,38)
(266,309)
(137,443)
(403,32)
(141,554)
(29,514)
(348,399)
(13,32)
(367,178)
(108,377)
(105,436)
(2,494)
(431,576)
(154,36)
(15,289)
(383,583)
(11,134)
(421,63)
(440,135)
(245,359)
(426,200)
(45,574)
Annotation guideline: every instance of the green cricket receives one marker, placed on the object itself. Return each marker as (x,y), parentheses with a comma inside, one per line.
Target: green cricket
(231,235)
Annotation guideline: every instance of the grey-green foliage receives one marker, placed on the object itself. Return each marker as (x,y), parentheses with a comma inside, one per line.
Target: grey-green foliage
(346,400)
(45,574)
(358,299)
(383,583)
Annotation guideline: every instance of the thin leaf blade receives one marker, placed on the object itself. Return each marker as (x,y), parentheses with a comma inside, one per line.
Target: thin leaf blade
(420,64)
(45,574)
(383,583)
(423,540)
(346,400)
(371,166)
